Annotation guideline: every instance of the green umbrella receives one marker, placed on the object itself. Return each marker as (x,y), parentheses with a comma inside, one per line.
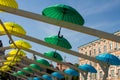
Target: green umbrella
(35,66)
(43,61)
(20,73)
(15,74)
(28,69)
(59,41)
(64,13)
(54,55)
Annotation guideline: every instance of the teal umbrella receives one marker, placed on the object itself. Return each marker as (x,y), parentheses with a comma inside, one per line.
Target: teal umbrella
(35,66)
(57,75)
(59,41)
(46,77)
(43,61)
(71,72)
(36,78)
(53,55)
(64,13)
(108,58)
(28,69)
(88,68)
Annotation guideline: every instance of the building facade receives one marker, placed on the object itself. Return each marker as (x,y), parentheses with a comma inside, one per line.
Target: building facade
(98,47)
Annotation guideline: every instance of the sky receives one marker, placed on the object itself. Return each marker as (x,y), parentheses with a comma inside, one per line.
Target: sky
(102,15)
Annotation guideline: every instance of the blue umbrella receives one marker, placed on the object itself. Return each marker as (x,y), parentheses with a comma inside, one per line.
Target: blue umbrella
(46,77)
(88,68)
(58,75)
(36,78)
(71,72)
(108,58)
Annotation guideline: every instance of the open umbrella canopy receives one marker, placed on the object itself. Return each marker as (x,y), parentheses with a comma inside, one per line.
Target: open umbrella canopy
(12,58)
(57,75)
(71,72)
(9,3)
(36,78)
(20,53)
(28,69)
(20,73)
(5,68)
(15,74)
(9,63)
(108,58)
(21,44)
(12,28)
(59,41)
(35,66)
(53,55)
(46,77)
(63,12)
(43,61)
(88,68)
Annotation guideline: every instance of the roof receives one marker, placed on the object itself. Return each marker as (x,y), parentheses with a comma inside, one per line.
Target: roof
(115,33)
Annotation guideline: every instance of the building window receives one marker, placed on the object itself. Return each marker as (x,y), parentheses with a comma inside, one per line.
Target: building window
(112,73)
(117,46)
(90,53)
(99,51)
(94,52)
(119,73)
(111,46)
(105,48)
(101,75)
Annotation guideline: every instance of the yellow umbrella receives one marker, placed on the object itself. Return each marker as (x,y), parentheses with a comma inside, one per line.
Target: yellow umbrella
(9,3)
(21,44)
(15,59)
(20,53)
(10,63)
(12,28)
(5,68)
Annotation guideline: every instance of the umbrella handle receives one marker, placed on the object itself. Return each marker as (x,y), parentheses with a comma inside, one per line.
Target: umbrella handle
(10,42)
(60,36)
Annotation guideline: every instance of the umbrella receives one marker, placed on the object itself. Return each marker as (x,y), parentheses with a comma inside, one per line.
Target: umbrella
(20,73)
(88,68)
(54,55)
(108,58)
(35,66)
(20,53)
(28,69)
(59,41)
(63,12)
(5,68)
(36,78)
(21,44)
(43,61)
(9,3)
(57,75)
(12,58)
(12,27)
(46,77)
(71,72)
(9,63)
(15,74)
